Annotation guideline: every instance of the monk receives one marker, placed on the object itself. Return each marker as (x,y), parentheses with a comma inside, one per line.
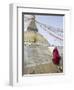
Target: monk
(56,56)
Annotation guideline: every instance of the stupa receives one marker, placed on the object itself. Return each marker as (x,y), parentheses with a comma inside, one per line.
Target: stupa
(37,57)
(32,35)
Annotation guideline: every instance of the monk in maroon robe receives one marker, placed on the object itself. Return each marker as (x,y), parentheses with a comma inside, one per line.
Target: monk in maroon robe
(56,56)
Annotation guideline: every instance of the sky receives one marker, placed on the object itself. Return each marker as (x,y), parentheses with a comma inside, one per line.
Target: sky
(51,20)
(55,21)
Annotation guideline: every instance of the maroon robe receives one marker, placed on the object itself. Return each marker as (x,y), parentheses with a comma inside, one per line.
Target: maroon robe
(56,56)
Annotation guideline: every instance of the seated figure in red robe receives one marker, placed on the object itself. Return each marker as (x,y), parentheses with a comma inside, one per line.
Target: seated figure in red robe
(56,56)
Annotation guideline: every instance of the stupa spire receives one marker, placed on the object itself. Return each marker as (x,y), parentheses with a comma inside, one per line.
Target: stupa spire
(32,26)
